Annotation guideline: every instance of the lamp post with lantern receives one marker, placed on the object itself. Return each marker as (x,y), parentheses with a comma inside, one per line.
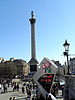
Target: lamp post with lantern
(66,46)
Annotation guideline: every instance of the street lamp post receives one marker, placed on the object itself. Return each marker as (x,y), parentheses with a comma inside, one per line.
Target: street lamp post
(66,46)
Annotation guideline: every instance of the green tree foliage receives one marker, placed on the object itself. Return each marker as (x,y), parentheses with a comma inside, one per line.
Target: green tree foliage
(8,69)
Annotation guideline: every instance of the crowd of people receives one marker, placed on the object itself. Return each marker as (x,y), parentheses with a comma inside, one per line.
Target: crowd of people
(27,88)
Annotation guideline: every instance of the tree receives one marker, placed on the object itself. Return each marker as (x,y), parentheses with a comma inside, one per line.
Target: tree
(11,68)
(8,69)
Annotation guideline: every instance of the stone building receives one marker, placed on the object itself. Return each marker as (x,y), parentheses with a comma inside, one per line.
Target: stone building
(72,64)
(22,66)
(60,68)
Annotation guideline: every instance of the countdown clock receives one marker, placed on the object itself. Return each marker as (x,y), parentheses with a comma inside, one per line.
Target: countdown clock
(46,81)
(45,75)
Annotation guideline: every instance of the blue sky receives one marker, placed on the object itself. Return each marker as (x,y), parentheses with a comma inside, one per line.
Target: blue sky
(55,22)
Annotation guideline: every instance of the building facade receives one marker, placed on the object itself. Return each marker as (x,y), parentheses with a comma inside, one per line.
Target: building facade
(72,64)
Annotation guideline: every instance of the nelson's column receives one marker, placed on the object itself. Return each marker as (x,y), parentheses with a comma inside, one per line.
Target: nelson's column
(33,62)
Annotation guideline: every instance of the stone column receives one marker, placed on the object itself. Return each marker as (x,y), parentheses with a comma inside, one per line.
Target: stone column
(33,21)
(33,62)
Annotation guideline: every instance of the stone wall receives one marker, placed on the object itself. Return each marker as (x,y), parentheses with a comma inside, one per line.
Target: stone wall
(69,91)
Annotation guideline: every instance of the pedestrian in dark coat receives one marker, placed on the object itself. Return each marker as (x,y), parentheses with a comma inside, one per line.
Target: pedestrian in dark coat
(23,89)
(17,87)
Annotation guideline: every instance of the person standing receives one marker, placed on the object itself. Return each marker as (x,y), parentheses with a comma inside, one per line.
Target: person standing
(17,87)
(23,90)
(4,88)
